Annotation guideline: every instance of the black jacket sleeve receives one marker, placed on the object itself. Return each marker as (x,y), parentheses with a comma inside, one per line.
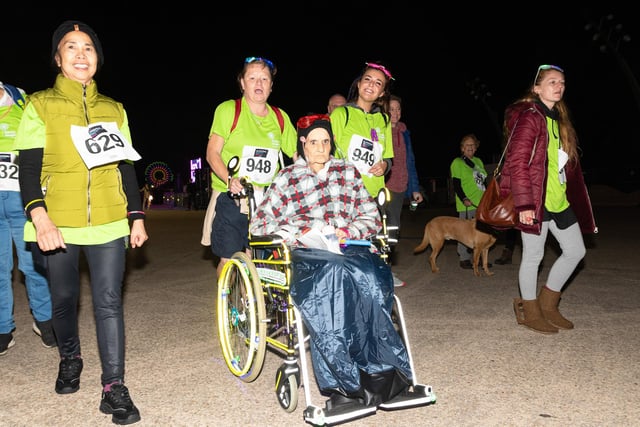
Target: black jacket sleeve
(130,182)
(457,188)
(30,162)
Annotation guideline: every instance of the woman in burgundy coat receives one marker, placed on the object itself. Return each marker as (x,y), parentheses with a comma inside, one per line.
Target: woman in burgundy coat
(542,170)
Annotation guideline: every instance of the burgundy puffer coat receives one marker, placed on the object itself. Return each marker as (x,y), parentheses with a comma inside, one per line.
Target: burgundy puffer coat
(524,172)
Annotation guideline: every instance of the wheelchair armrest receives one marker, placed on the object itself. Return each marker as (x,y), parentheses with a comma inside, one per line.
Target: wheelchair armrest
(384,238)
(268,239)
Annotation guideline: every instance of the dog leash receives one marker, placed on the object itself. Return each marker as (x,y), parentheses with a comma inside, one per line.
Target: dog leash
(466,210)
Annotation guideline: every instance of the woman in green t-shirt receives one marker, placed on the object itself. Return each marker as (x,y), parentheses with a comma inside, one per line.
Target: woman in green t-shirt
(468,177)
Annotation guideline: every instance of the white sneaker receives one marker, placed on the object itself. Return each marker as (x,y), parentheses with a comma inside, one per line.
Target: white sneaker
(397,283)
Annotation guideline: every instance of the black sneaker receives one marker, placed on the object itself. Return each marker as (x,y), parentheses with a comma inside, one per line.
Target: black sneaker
(69,375)
(118,403)
(6,342)
(339,409)
(45,331)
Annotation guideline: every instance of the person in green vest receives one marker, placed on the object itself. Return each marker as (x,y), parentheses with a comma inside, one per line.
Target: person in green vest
(362,127)
(257,133)
(12,220)
(468,176)
(80,194)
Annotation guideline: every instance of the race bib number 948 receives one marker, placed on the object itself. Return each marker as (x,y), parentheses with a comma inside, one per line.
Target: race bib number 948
(259,164)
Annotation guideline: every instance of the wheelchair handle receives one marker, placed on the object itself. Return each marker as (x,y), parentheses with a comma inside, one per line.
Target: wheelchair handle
(390,240)
(246,190)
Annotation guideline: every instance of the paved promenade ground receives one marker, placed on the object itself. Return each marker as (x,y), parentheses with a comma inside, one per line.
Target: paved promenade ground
(484,368)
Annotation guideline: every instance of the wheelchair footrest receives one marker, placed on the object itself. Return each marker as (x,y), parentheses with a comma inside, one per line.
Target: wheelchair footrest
(420,395)
(338,411)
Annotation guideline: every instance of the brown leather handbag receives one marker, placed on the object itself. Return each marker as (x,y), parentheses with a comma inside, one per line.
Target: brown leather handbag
(494,209)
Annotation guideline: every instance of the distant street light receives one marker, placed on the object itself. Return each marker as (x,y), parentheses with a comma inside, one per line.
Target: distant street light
(608,35)
(478,89)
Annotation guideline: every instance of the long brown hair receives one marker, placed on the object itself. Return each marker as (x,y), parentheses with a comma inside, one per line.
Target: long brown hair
(568,135)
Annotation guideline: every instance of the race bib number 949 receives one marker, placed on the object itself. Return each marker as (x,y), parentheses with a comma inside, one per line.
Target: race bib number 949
(102,143)
(364,153)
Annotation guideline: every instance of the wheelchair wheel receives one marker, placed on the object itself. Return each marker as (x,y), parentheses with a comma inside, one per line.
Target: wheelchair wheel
(287,391)
(241,314)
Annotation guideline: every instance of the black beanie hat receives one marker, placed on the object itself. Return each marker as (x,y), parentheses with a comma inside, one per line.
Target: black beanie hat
(72,25)
(306,124)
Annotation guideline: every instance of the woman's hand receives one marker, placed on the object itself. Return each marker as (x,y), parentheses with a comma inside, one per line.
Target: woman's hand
(528,217)
(379,168)
(48,236)
(341,234)
(236,186)
(138,234)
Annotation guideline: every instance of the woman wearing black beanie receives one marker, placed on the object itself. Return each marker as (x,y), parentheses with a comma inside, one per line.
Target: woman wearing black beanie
(80,192)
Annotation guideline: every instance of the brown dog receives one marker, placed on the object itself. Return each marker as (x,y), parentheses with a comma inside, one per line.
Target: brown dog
(443,228)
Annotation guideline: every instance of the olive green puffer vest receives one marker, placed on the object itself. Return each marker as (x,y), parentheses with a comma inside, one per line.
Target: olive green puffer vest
(76,196)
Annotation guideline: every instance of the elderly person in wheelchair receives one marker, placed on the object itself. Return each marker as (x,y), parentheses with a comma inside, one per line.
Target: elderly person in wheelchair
(345,297)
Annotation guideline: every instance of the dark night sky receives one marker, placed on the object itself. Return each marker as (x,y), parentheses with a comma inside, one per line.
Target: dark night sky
(170,68)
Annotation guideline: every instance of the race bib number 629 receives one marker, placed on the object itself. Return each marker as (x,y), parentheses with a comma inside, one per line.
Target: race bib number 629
(102,143)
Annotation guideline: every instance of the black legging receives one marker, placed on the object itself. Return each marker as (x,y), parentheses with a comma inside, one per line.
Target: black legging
(106,269)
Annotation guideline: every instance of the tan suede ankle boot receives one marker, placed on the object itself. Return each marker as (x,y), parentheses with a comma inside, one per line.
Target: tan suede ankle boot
(549,301)
(528,314)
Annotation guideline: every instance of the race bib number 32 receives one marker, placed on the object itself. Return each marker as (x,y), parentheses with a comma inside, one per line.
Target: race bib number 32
(8,172)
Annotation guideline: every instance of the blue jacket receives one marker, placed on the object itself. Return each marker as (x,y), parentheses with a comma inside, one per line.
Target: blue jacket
(413,185)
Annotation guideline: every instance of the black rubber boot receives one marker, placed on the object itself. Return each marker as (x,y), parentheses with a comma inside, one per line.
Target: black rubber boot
(505,258)
(383,386)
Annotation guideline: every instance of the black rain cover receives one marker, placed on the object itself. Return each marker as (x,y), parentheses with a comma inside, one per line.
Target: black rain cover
(346,303)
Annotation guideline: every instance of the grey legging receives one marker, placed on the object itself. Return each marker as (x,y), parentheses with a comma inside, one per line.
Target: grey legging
(573,250)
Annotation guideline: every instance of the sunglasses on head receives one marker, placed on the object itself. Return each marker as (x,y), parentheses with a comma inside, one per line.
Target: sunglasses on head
(381,68)
(250,59)
(546,67)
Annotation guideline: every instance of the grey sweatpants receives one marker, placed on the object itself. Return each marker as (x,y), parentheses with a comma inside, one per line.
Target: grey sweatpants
(463,251)
(573,250)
